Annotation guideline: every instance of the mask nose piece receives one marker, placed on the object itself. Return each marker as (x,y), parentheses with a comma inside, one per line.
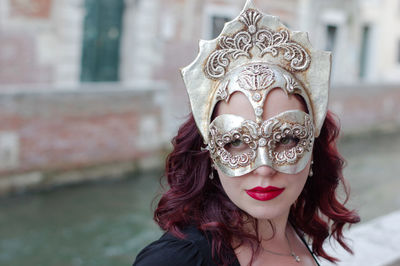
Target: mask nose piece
(265,170)
(263,159)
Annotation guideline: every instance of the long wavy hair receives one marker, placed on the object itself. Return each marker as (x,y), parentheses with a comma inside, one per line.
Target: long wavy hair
(195,199)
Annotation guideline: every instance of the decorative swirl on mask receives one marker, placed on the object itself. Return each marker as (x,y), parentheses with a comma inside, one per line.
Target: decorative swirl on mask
(305,135)
(218,142)
(222,93)
(234,47)
(256,77)
(291,85)
(269,42)
(252,128)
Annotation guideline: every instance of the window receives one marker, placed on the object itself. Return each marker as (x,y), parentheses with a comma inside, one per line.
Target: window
(364,51)
(217,24)
(215,17)
(101,40)
(398,52)
(331,32)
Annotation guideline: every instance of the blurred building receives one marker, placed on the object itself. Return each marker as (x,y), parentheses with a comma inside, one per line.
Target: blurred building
(77,97)
(68,42)
(88,83)
(363,36)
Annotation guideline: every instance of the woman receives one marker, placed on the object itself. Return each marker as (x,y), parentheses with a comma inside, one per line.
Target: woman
(254,171)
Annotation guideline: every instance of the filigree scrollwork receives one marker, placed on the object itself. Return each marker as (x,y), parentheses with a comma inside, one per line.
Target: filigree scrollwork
(218,142)
(291,84)
(222,93)
(252,128)
(256,77)
(304,134)
(269,42)
(229,47)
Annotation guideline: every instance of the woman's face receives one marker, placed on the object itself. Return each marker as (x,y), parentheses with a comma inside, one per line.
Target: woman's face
(263,193)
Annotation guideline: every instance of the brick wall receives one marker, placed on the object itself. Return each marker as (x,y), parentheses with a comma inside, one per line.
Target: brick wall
(19,62)
(33,8)
(63,130)
(366,107)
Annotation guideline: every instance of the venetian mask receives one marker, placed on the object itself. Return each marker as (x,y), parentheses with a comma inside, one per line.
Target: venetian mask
(255,54)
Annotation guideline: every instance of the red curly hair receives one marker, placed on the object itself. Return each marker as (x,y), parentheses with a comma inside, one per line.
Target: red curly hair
(194,199)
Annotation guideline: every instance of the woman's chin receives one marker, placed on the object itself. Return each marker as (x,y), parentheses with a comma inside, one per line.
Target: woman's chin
(262,213)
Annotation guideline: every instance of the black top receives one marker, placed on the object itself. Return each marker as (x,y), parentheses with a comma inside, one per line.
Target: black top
(194,250)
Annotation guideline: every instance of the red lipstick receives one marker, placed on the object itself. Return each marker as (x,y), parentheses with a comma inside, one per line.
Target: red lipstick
(264,194)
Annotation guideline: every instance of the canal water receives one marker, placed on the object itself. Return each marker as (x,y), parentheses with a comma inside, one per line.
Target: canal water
(108,223)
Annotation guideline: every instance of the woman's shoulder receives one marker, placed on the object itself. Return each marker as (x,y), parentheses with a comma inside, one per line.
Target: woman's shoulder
(194,249)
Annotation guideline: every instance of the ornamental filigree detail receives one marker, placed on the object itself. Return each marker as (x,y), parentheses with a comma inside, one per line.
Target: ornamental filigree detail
(229,48)
(222,93)
(217,149)
(256,77)
(291,84)
(304,134)
(273,42)
(269,42)
(268,134)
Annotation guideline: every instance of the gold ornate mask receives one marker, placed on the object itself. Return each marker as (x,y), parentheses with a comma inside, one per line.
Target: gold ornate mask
(254,54)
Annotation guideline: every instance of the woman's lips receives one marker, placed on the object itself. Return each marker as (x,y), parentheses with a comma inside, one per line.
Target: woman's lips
(263,194)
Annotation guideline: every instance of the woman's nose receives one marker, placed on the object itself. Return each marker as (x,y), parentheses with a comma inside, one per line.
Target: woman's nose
(265,170)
